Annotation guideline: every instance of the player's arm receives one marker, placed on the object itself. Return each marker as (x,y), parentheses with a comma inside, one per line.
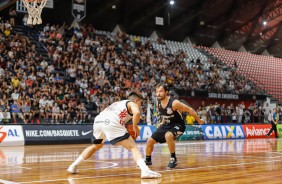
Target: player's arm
(177,105)
(134,110)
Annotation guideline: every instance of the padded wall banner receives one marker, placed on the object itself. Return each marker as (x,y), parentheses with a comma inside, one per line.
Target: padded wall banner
(192,132)
(223,132)
(279,130)
(146,132)
(11,135)
(57,134)
(257,131)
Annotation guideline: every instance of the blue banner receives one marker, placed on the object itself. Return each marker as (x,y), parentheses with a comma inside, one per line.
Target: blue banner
(146,132)
(223,132)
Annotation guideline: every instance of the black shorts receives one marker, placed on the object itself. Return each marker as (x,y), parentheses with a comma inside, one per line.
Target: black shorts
(177,130)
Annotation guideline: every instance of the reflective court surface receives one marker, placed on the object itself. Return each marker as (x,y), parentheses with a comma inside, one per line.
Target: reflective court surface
(222,161)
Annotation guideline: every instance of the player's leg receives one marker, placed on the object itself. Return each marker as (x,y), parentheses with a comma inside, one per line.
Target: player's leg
(271,130)
(170,137)
(98,142)
(137,156)
(118,135)
(275,131)
(86,154)
(158,136)
(149,150)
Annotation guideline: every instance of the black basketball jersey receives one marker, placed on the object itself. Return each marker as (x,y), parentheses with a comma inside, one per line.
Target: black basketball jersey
(170,116)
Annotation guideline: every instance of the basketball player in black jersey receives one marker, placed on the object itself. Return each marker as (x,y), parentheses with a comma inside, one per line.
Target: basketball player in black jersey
(172,124)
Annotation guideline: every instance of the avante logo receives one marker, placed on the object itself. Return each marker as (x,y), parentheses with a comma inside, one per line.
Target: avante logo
(256,131)
(2,135)
(223,132)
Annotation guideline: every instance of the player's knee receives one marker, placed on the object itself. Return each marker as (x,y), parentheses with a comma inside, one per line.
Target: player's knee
(169,136)
(96,147)
(151,141)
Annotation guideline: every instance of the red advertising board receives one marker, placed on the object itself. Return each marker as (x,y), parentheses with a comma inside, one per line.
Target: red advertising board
(257,131)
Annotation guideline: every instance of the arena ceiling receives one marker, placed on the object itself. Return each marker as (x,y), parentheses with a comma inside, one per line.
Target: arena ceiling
(232,23)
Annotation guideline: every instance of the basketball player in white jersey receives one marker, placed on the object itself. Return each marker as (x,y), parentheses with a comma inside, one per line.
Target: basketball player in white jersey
(109,124)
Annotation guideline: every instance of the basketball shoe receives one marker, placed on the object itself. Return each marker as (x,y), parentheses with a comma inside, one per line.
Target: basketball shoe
(150,174)
(172,163)
(73,169)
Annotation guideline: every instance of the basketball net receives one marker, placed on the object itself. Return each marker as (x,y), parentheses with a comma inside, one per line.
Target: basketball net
(34,9)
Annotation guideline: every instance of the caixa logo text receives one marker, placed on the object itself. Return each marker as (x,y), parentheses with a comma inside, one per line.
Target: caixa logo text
(224,132)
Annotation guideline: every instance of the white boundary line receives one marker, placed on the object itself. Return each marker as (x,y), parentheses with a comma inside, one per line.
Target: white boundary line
(7,182)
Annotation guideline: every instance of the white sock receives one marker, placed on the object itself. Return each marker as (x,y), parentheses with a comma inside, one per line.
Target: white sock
(78,160)
(142,165)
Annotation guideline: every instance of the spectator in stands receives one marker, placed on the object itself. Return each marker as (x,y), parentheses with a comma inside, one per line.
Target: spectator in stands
(43,101)
(190,119)
(13,16)
(218,113)
(247,116)
(256,115)
(5,115)
(56,113)
(16,111)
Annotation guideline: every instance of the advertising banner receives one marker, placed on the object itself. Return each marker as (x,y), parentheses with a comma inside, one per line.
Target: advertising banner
(223,132)
(70,134)
(146,132)
(279,130)
(57,134)
(257,131)
(192,132)
(11,136)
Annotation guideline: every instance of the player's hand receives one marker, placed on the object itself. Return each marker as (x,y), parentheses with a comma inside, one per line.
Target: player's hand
(201,121)
(136,130)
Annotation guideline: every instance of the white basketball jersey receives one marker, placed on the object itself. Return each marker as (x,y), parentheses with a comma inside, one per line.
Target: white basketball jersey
(117,112)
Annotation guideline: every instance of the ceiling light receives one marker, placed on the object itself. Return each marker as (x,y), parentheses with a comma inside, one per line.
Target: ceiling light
(171,2)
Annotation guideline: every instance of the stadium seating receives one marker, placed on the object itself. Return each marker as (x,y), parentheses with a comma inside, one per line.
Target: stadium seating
(265,71)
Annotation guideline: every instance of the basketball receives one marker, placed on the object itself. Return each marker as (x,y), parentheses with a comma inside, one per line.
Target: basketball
(130,130)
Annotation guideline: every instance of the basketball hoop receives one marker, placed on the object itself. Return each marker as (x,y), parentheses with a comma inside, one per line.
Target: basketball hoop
(34,9)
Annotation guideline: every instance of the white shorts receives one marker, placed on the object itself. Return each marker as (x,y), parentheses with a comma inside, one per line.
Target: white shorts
(107,128)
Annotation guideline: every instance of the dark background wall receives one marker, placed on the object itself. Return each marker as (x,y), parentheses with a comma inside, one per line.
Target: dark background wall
(100,14)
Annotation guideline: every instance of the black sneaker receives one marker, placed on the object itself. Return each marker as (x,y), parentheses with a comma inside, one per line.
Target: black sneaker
(148,162)
(172,163)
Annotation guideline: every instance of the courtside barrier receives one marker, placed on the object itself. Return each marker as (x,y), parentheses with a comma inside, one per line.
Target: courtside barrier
(146,132)
(57,134)
(11,135)
(193,132)
(279,130)
(15,135)
(257,131)
(223,132)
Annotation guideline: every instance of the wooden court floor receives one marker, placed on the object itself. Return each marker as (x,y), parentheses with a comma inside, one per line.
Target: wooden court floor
(222,161)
